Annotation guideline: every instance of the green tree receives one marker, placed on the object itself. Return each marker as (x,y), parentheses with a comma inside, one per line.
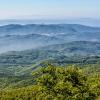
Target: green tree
(62,83)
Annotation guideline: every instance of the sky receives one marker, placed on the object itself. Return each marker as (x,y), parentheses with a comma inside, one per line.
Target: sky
(49,9)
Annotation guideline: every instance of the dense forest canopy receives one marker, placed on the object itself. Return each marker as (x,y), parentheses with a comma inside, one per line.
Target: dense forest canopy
(58,83)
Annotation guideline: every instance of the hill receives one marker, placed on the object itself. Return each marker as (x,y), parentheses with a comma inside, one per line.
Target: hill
(53,82)
(38,35)
(27,57)
(18,63)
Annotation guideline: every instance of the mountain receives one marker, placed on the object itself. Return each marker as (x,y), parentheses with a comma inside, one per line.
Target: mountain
(16,37)
(27,57)
(16,66)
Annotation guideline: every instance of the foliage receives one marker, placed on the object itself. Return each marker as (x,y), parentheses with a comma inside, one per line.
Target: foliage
(58,83)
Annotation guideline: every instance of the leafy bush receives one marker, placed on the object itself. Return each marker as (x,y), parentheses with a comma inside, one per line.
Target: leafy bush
(67,83)
(58,83)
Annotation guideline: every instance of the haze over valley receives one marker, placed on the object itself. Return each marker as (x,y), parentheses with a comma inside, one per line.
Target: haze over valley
(17,37)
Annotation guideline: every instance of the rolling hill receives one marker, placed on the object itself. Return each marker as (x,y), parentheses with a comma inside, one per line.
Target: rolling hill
(14,36)
(82,48)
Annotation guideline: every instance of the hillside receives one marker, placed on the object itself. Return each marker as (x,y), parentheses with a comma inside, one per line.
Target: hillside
(16,66)
(80,48)
(53,82)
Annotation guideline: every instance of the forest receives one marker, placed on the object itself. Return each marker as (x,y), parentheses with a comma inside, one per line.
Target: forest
(58,83)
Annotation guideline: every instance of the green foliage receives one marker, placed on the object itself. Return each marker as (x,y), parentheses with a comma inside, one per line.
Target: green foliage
(15,82)
(17,94)
(58,83)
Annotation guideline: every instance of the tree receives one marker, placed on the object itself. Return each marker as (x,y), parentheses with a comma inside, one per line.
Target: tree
(62,83)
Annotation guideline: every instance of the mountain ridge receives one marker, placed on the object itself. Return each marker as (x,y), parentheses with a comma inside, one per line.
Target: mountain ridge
(82,48)
(38,35)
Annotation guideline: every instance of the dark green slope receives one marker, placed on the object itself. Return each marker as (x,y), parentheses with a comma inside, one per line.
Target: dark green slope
(27,57)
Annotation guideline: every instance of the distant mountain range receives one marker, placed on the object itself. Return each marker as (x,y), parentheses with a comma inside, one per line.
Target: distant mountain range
(16,37)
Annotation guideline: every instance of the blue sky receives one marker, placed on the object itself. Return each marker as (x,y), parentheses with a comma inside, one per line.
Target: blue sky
(49,9)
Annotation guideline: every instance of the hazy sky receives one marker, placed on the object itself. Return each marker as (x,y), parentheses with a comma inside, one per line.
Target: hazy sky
(54,9)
